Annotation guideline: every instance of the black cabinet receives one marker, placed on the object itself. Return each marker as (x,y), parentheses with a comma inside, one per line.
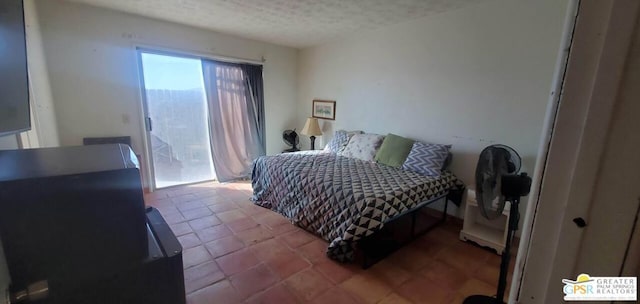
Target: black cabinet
(75,218)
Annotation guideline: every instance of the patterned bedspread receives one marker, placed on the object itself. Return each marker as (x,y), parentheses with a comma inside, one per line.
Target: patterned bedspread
(340,199)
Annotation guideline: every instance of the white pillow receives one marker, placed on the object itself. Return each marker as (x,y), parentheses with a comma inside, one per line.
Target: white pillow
(363,146)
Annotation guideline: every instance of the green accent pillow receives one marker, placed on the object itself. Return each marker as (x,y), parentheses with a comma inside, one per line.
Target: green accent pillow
(394,150)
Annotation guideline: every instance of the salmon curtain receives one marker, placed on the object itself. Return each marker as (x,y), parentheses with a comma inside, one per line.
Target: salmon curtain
(236,117)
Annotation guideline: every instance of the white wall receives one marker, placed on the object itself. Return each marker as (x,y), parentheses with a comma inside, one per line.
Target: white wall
(91,59)
(470,77)
(44,129)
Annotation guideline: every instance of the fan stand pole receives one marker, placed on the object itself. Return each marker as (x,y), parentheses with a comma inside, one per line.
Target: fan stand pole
(506,255)
(504,263)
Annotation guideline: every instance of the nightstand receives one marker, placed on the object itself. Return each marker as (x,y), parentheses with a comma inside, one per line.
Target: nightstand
(484,232)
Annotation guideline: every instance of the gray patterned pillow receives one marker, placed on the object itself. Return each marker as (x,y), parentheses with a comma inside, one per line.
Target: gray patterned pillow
(426,159)
(340,140)
(363,146)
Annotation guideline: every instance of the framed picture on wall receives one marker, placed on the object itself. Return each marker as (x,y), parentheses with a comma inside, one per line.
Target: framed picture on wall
(324,109)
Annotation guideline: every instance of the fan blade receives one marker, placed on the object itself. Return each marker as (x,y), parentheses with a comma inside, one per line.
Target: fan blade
(492,164)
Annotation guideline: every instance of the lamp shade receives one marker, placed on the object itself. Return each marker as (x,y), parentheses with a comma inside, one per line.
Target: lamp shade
(311,127)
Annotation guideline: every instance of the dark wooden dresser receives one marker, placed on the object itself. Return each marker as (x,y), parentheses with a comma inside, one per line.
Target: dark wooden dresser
(73,222)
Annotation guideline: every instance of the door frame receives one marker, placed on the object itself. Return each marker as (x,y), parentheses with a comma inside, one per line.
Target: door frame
(145,112)
(551,241)
(148,157)
(171,51)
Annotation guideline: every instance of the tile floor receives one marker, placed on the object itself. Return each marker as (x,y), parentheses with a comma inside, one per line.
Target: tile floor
(236,252)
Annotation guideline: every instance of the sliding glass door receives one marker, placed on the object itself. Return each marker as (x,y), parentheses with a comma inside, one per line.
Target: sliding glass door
(177,120)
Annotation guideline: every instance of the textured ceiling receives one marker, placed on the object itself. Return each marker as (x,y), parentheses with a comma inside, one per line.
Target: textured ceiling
(295,23)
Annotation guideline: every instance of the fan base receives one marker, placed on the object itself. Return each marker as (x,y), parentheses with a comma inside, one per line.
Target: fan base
(478,299)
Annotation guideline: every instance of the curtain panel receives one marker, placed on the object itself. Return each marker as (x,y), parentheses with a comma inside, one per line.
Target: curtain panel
(255,92)
(235,100)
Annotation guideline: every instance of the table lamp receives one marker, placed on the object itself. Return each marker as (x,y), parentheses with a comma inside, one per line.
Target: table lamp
(312,129)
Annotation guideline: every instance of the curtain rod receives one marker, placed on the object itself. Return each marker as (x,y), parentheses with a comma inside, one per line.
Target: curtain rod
(197,54)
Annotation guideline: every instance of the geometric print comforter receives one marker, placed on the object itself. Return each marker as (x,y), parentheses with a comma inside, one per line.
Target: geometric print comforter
(338,198)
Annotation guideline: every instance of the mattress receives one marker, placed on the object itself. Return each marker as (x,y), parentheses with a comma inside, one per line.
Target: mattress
(338,198)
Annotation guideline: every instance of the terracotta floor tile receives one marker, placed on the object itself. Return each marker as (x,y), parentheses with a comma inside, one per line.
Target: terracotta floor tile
(246,199)
(435,268)
(278,294)
(239,196)
(236,262)
(488,274)
(194,256)
(474,286)
(410,259)
(254,235)
(181,229)
(155,196)
(222,207)
(269,249)
(213,233)
(204,222)
(241,224)
(164,210)
(217,199)
(474,251)
(335,295)
(173,192)
(207,194)
(231,215)
(459,260)
(173,218)
(176,192)
(389,273)
(297,238)
(314,251)
(162,200)
(308,284)
(445,236)
(201,276)
(253,209)
(271,219)
(254,280)
(224,246)
(428,245)
(334,271)
(221,292)
(181,194)
(394,298)
(282,229)
(366,287)
(226,191)
(189,240)
(421,290)
(286,264)
(444,274)
(495,260)
(196,213)
(190,205)
(458,299)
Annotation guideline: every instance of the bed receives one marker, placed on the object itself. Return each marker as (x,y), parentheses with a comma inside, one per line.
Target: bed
(342,199)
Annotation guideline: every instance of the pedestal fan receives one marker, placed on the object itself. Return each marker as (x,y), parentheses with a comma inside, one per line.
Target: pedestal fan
(497,182)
